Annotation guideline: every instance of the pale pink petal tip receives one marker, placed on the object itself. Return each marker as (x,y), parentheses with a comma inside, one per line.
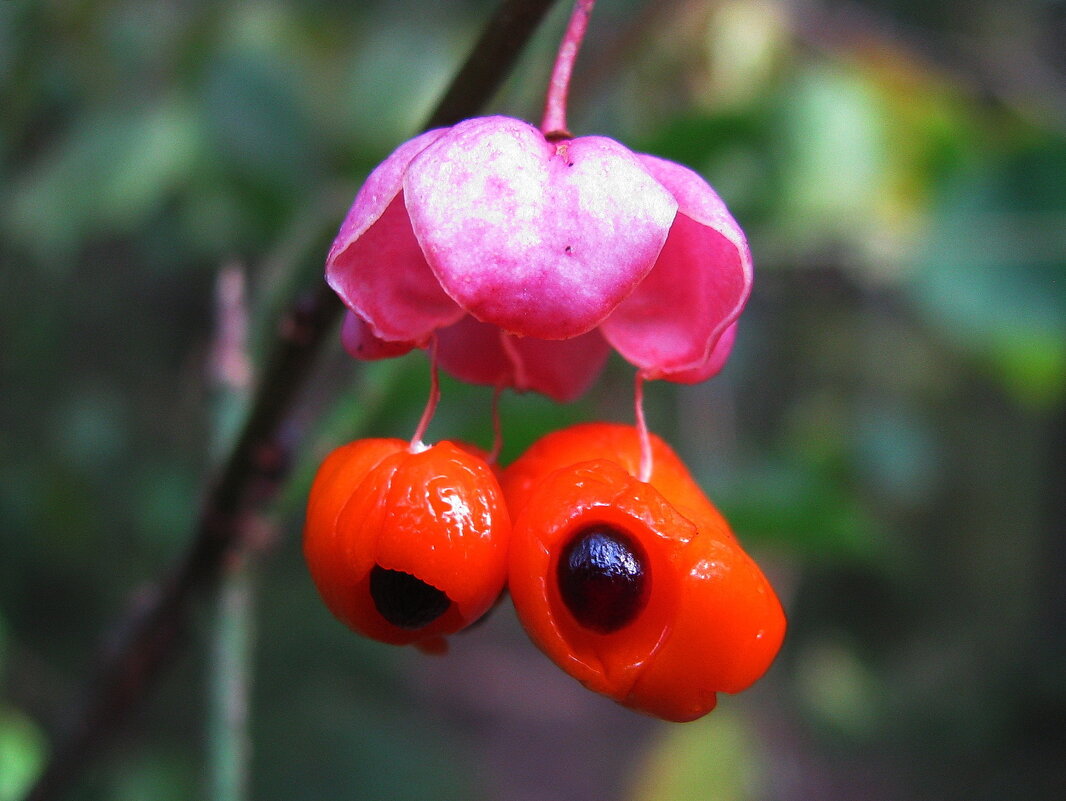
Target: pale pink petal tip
(361,343)
(542,239)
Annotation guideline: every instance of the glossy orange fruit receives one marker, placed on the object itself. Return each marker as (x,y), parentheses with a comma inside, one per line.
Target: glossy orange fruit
(406,546)
(637,589)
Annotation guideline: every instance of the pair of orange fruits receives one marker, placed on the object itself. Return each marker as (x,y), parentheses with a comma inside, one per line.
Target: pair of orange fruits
(637,588)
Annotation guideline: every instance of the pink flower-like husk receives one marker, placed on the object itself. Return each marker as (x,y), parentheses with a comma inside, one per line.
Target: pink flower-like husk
(487,229)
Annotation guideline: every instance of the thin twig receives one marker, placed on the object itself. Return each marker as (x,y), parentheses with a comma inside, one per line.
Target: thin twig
(229,748)
(146,637)
(228,744)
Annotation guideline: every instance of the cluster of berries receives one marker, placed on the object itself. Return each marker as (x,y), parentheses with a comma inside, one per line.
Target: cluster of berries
(636,588)
(519,257)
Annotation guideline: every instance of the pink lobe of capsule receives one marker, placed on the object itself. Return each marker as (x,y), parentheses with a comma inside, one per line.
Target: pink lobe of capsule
(671,324)
(376,265)
(529,258)
(543,239)
(483,354)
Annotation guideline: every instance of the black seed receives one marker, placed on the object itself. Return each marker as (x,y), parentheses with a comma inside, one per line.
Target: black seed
(603,579)
(404,600)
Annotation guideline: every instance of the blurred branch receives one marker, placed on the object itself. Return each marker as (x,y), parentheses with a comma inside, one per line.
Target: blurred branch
(493,56)
(144,640)
(228,745)
(229,748)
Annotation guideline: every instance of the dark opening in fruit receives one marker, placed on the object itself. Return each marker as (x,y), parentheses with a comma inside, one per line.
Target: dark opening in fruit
(406,601)
(603,579)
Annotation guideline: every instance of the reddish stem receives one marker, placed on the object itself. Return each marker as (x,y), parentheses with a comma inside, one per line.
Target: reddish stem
(642,429)
(417,445)
(554,123)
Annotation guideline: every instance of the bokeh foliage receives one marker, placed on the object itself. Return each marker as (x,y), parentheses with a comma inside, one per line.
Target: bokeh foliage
(889,437)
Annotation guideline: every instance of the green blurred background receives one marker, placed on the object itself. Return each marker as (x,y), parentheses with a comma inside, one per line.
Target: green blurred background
(889,438)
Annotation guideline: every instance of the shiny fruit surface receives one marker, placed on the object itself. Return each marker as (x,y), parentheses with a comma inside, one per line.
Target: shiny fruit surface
(406,546)
(693,615)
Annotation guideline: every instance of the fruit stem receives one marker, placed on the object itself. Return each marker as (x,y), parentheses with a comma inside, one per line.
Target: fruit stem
(417,445)
(642,430)
(554,123)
